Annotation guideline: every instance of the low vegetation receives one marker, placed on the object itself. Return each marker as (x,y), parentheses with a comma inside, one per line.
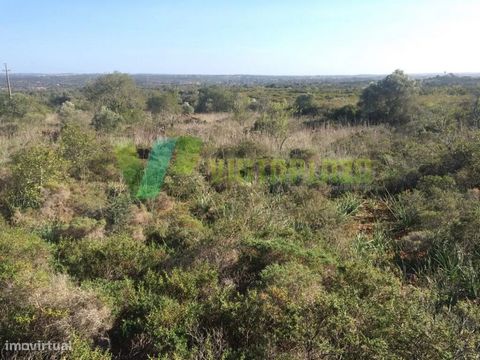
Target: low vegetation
(116,238)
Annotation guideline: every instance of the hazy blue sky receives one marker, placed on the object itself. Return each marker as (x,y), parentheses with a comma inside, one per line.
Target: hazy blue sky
(301,37)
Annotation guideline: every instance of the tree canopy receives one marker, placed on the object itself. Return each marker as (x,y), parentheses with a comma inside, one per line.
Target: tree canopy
(391,100)
(116,91)
(166,102)
(215,99)
(305,105)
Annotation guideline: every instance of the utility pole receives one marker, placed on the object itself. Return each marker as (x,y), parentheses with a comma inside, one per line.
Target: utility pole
(8,81)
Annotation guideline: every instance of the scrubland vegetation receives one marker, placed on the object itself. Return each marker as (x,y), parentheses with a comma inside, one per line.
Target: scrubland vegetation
(243,269)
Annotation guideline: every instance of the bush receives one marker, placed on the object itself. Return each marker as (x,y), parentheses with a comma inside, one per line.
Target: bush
(67,111)
(88,199)
(275,122)
(39,304)
(240,108)
(405,209)
(310,209)
(88,157)
(165,315)
(297,311)
(106,119)
(113,258)
(349,203)
(215,99)
(81,227)
(247,149)
(177,229)
(305,105)
(118,206)
(187,109)
(116,92)
(33,169)
(390,100)
(345,115)
(184,187)
(166,102)
(302,154)
(19,106)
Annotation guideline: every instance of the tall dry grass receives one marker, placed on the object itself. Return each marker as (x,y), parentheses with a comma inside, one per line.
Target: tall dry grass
(221,130)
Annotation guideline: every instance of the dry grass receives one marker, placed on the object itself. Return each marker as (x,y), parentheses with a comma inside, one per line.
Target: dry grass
(222,130)
(217,129)
(75,311)
(212,117)
(26,136)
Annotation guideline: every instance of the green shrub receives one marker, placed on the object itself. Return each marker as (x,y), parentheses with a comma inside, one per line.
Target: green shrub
(177,230)
(309,209)
(82,349)
(81,227)
(349,203)
(118,93)
(305,105)
(18,249)
(112,258)
(106,119)
(244,149)
(295,311)
(68,113)
(428,184)
(39,304)
(166,312)
(405,210)
(184,187)
(187,109)
(166,102)
(20,106)
(33,169)
(88,156)
(275,122)
(88,199)
(302,154)
(345,115)
(118,206)
(260,253)
(391,100)
(215,99)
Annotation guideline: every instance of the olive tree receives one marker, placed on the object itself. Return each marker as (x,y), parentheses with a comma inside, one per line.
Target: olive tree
(275,122)
(165,102)
(240,108)
(305,105)
(117,92)
(391,100)
(215,99)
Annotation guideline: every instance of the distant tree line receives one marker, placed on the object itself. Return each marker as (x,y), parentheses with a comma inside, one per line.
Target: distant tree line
(115,99)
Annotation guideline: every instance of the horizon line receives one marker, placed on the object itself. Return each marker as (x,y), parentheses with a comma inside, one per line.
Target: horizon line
(239,74)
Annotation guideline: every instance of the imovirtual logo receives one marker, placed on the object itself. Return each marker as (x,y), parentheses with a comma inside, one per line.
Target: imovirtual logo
(182,156)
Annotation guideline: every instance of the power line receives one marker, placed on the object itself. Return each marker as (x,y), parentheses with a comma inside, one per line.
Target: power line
(8,81)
